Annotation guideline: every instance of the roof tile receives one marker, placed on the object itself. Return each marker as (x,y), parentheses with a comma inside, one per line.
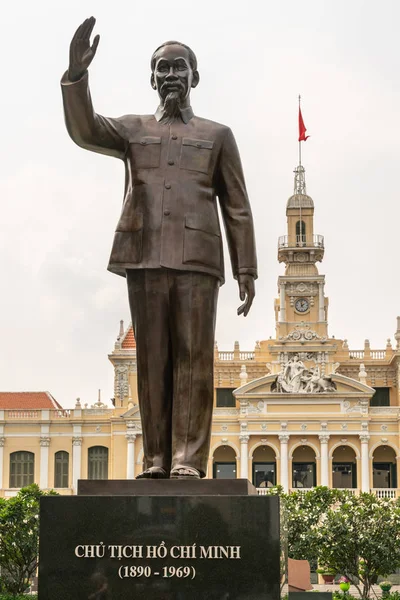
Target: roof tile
(129,339)
(37,400)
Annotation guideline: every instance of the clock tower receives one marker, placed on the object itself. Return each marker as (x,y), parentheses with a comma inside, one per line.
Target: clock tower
(302,308)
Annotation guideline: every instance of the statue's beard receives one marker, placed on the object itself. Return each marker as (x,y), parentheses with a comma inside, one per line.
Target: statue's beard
(171,108)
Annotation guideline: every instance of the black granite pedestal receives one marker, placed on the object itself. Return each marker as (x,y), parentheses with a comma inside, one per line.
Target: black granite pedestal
(188,545)
(166,487)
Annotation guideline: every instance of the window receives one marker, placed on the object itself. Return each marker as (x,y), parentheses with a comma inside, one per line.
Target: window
(98,462)
(300,233)
(344,475)
(225,398)
(224,470)
(264,474)
(304,475)
(381,397)
(384,475)
(61,469)
(22,468)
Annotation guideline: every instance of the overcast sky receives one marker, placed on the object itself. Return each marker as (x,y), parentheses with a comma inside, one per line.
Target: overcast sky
(59,307)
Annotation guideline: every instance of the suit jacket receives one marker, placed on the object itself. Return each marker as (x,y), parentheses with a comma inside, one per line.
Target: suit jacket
(173,175)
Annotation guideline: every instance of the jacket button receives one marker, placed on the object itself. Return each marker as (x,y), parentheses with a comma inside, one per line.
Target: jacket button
(167,213)
(171,162)
(168,186)
(174,137)
(143,142)
(198,145)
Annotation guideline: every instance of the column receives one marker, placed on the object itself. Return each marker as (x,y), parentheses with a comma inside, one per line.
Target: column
(398,375)
(364,437)
(321,302)
(2,440)
(282,313)
(210,464)
(324,439)
(44,462)
(244,456)
(284,438)
(130,457)
(76,461)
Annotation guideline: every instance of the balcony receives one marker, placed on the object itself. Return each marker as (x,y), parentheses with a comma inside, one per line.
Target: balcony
(231,355)
(389,493)
(362,355)
(301,241)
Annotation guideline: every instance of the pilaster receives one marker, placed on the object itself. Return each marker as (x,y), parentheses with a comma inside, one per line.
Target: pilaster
(244,458)
(324,439)
(2,442)
(284,439)
(76,461)
(44,462)
(365,484)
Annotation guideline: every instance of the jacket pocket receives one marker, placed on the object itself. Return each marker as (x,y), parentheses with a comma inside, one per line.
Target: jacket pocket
(196,154)
(132,222)
(145,152)
(128,240)
(202,241)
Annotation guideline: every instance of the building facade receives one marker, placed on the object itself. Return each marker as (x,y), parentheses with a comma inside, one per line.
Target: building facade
(300,409)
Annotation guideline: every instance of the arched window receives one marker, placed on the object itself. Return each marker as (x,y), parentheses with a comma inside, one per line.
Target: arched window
(304,468)
(344,468)
(264,467)
(224,466)
(61,469)
(384,468)
(22,469)
(98,462)
(300,233)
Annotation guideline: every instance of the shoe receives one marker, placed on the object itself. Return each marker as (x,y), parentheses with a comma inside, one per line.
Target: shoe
(184,473)
(153,473)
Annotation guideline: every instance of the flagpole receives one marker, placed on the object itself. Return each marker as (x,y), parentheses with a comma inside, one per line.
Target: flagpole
(300,241)
(299,140)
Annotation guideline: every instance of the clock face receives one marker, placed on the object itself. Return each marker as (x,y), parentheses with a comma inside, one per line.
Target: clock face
(302,305)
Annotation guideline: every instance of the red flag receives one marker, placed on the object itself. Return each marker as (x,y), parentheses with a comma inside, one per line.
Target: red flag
(302,128)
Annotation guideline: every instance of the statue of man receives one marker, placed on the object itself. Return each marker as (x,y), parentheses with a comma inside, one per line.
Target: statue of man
(168,244)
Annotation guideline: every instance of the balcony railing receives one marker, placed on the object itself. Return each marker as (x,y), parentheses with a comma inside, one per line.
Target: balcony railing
(22,414)
(301,241)
(57,414)
(374,354)
(230,355)
(389,493)
(64,413)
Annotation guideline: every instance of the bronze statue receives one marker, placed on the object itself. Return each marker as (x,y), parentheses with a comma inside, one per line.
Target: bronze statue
(168,244)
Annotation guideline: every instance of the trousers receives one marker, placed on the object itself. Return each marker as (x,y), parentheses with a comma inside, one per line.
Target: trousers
(173,317)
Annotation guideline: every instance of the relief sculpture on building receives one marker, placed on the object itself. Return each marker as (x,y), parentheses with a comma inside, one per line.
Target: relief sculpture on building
(296,378)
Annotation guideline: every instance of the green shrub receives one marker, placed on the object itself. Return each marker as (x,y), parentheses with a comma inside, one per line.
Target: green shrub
(337,595)
(19,597)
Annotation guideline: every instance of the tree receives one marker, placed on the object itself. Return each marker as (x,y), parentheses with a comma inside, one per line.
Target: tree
(19,538)
(303,511)
(359,538)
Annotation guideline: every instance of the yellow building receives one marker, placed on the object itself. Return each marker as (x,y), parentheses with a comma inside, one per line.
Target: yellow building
(299,410)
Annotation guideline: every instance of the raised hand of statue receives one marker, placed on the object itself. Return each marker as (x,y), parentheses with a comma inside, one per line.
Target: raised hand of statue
(81,53)
(246,292)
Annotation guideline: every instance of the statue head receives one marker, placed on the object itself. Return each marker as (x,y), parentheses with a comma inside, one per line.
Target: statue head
(174,73)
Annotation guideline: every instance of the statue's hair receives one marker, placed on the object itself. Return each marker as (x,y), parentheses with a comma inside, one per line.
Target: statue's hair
(192,56)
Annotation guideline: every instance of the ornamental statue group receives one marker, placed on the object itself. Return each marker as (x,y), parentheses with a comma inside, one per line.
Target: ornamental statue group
(296,378)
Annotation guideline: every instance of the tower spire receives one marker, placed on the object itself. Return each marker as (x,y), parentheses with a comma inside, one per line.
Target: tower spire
(300,180)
